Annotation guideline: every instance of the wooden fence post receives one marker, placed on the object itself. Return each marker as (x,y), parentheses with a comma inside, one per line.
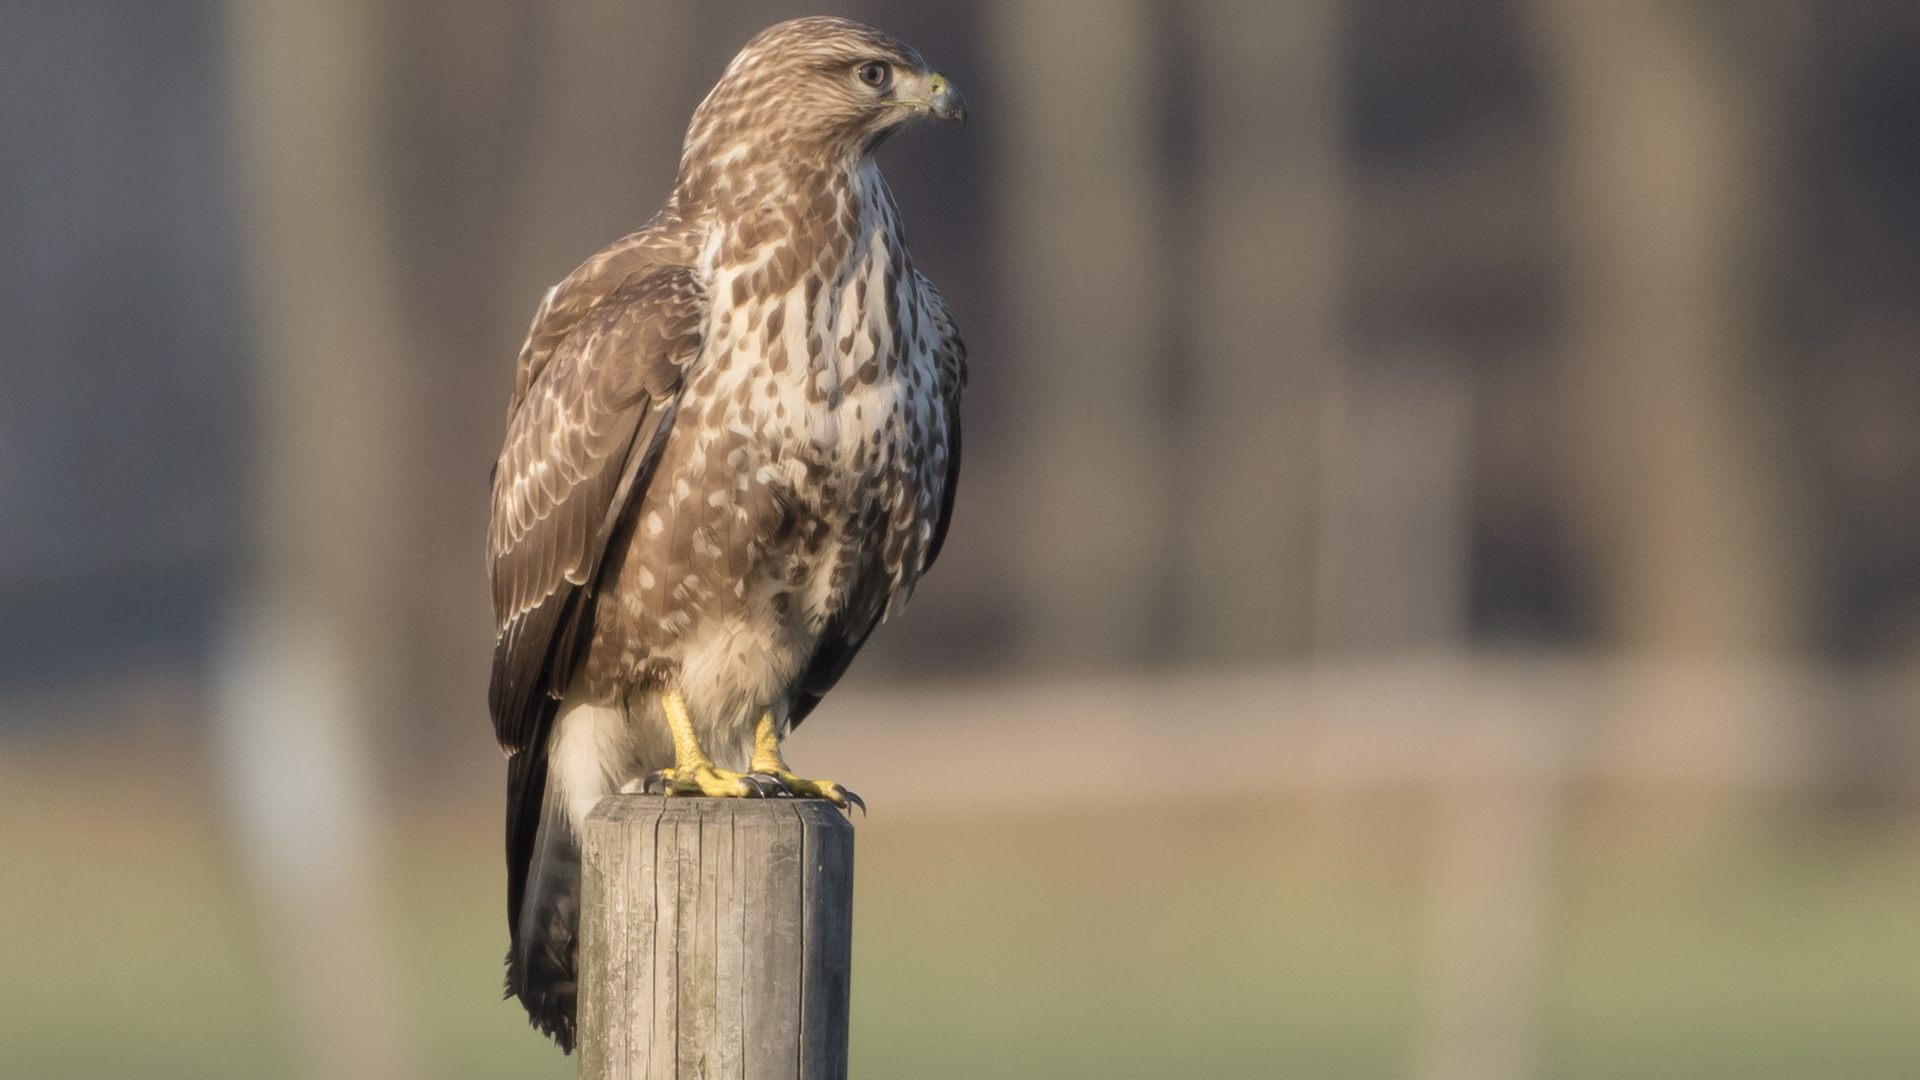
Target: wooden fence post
(715,939)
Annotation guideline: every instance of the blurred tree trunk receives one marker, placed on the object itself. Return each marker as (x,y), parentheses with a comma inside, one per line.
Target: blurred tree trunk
(620,86)
(311,659)
(1679,485)
(1080,227)
(1391,567)
(1265,308)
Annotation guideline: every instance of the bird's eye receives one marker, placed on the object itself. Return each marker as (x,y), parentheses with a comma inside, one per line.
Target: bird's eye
(874,73)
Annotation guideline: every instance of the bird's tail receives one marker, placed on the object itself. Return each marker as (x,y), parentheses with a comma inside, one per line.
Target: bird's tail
(544,903)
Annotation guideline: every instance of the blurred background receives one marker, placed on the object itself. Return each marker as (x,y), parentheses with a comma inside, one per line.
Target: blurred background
(1435,588)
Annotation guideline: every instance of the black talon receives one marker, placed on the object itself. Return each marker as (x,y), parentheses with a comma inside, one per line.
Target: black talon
(855,800)
(660,775)
(779,786)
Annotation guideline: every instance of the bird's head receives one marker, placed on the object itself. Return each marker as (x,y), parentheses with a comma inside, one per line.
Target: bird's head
(821,85)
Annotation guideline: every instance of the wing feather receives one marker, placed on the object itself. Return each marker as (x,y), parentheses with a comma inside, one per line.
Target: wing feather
(953,381)
(576,454)
(586,429)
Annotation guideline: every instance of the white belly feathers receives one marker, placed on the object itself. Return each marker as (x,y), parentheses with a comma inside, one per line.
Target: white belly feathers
(823,390)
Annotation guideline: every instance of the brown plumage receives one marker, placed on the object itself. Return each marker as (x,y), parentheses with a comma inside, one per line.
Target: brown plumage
(731,451)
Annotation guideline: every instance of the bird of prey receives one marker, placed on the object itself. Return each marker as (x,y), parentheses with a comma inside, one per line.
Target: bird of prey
(731,451)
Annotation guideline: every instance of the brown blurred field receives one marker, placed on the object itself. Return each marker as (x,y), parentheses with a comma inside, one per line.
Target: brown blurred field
(1750,936)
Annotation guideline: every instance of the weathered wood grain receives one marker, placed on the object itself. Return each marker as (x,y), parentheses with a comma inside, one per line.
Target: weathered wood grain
(715,939)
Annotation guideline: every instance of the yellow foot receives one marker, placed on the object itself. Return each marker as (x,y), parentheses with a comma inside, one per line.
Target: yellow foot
(818,789)
(716,783)
(768,763)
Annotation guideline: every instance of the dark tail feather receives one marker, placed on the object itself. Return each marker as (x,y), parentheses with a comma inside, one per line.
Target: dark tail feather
(543,900)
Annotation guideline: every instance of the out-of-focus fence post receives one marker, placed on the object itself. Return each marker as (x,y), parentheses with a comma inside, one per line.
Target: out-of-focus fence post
(1499,787)
(715,939)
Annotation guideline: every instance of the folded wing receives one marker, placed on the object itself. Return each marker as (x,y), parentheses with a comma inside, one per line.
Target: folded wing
(599,383)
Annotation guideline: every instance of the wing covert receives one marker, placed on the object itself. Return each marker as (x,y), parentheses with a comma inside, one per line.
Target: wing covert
(953,381)
(579,447)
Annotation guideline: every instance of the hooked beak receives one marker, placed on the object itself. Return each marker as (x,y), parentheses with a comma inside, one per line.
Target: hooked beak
(933,94)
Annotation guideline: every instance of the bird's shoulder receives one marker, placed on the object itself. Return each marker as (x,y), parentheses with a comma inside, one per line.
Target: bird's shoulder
(590,409)
(612,278)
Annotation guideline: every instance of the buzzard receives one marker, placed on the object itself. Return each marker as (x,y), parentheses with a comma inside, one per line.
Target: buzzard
(731,451)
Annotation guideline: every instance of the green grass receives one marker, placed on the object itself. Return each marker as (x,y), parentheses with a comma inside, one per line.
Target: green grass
(1233,940)
(1182,941)
(125,947)
(1790,949)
